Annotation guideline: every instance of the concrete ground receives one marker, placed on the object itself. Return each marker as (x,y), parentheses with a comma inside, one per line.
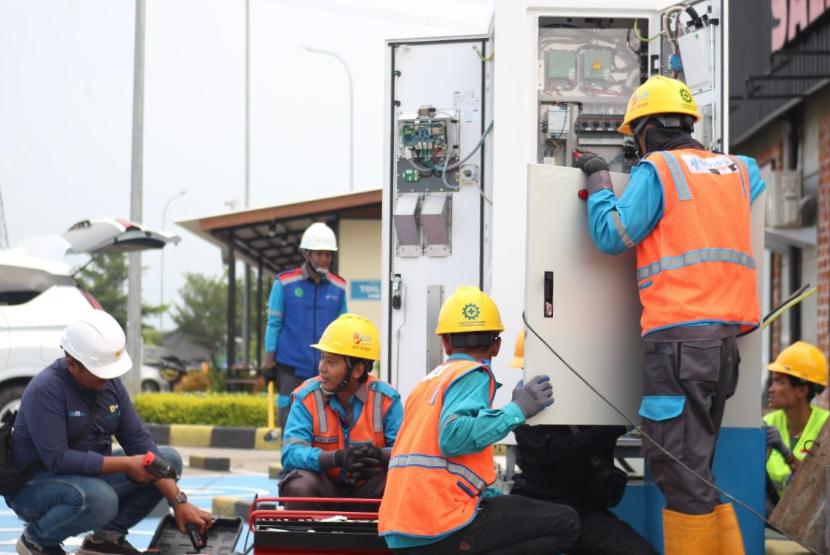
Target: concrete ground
(247,477)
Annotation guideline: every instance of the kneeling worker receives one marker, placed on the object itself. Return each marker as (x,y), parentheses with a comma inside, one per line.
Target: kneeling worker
(343,422)
(797,375)
(67,417)
(442,462)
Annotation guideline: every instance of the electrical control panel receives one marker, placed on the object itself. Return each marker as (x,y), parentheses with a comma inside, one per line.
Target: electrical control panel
(588,68)
(428,146)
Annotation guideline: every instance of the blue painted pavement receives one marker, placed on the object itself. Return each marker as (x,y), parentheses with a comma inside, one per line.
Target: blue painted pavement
(199,489)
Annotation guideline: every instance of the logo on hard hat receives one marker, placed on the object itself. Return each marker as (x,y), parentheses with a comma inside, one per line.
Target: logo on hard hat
(118,353)
(686,96)
(471,311)
(363,342)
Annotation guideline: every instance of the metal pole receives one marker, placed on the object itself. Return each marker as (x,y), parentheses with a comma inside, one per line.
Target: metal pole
(231,347)
(132,380)
(340,59)
(246,299)
(161,280)
(259,311)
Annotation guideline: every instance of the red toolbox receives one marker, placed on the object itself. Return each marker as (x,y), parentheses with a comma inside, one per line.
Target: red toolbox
(304,532)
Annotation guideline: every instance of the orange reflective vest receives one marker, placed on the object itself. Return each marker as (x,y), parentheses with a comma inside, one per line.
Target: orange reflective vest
(427,493)
(329,434)
(696,265)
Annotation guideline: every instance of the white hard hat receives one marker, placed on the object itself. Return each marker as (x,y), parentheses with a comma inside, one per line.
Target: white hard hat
(97,341)
(318,237)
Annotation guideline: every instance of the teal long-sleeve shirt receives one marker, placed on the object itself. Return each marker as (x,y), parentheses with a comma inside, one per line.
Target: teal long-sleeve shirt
(467,424)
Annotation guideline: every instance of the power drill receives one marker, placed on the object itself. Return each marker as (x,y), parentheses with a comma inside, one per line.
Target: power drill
(159,466)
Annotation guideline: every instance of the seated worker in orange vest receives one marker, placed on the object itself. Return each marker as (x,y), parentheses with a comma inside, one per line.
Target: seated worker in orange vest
(342,423)
(442,462)
(574,465)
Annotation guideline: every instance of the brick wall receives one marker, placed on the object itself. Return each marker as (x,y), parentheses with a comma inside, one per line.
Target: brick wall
(823,240)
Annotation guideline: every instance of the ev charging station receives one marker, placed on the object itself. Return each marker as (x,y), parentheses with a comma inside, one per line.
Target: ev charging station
(479,190)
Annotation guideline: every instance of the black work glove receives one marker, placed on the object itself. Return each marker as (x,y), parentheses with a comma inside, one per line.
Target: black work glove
(597,171)
(774,441)
(590,163)
(270,374)
(358,458)
(533,396)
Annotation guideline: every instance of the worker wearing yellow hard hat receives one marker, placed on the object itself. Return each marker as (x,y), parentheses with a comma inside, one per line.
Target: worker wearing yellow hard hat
(442,461)
(797,375)
(574,466)
(343,422)
(686,212)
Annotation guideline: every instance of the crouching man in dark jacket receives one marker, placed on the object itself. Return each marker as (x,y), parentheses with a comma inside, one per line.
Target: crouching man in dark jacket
(67,417)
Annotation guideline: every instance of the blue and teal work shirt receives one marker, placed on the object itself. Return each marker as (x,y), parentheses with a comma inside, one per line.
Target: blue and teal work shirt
(467,425)
(298,311)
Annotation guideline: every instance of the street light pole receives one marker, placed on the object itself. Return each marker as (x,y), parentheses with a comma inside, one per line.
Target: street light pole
(340,59)
(161,284)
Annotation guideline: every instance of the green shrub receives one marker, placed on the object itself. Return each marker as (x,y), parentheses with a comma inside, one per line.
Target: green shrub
(234,410)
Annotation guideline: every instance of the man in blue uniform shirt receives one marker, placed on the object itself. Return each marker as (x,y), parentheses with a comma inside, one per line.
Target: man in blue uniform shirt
(67,417)
(302,303)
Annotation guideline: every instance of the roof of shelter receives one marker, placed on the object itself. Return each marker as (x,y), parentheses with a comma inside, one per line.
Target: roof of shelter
(272,234)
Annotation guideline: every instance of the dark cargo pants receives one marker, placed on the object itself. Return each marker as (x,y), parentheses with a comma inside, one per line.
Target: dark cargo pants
(705,374)
(287,382)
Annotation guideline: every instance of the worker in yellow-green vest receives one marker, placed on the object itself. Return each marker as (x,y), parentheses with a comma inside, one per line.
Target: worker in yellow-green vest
(797,375)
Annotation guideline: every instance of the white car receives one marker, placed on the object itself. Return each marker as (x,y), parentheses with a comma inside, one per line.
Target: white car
(39,297)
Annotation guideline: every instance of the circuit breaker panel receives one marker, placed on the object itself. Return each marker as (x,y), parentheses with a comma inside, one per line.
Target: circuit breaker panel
(434,204)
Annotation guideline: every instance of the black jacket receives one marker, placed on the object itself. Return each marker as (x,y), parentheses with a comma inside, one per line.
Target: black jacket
(555,461)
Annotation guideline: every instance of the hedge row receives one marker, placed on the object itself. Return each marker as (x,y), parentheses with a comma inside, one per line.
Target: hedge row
(217,409)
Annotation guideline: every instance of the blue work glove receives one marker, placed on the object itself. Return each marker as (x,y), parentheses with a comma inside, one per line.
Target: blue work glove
(774,441)
(534,396)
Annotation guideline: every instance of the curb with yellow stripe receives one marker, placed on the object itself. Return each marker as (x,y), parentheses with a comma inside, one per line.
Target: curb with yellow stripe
(188,435)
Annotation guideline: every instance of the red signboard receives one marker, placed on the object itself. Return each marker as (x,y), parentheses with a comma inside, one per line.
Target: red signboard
(791,18)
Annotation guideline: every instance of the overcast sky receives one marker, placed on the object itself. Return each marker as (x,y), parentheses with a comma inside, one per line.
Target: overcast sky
(66,71)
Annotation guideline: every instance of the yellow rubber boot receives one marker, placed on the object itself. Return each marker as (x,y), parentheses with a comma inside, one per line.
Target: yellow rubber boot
(690,534)
(731,540)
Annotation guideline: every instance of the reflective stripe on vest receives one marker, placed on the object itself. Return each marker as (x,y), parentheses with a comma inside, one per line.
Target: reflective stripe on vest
(696,265)
(679,178)
(427,461)
(322,421)
(427,493)
(695,257)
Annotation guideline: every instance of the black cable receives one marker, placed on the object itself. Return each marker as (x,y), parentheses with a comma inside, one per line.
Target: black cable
(637,427)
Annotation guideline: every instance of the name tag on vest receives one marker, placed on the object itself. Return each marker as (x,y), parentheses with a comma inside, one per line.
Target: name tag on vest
(719,165)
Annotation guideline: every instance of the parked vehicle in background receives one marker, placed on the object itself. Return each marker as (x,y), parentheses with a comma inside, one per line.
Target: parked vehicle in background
(39,297)
(161,369)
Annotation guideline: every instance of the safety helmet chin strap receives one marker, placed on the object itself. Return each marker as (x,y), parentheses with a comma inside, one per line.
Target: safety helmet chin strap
(350,368)
(307,257)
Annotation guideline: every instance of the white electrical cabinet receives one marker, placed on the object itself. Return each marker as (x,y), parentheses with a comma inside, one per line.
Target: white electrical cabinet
(582,302)
(434,212)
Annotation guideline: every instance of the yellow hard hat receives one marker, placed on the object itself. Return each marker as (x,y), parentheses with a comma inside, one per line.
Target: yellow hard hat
(518,351)
(802,360)
(659,95)
(352,336)
(468,310)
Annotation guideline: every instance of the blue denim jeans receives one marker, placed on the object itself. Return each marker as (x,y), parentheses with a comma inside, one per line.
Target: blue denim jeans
(56,507)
